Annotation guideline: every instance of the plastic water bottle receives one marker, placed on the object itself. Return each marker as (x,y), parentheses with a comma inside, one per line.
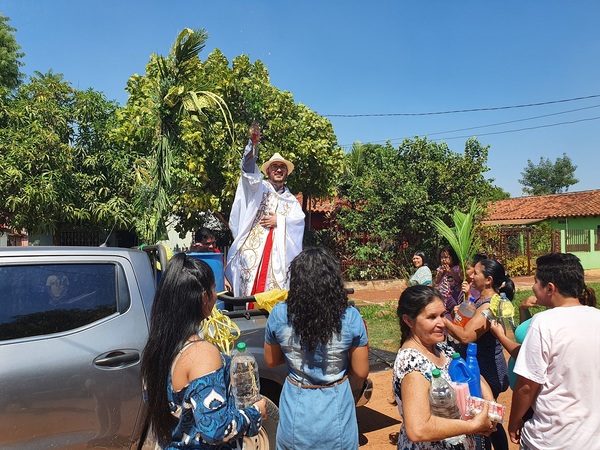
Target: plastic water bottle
(465,312)
(244,379)
(473,367)
(505,315)
(442,399)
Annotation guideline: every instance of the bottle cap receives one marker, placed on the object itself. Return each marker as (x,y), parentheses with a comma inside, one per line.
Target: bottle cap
(436,373)
(455,355)
(241,346)
(472,348)
(471,299)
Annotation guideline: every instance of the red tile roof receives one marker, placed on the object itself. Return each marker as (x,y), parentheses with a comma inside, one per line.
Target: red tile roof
(323,205)
(537,208)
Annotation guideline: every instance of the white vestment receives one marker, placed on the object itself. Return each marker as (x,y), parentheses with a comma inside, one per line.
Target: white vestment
(253,198)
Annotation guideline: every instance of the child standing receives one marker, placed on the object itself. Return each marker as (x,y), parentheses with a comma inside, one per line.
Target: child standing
(449,279)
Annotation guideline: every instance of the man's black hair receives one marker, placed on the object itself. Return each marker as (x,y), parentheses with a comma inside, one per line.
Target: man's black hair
(203,233)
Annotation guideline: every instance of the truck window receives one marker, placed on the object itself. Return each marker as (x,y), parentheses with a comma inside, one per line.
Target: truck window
(51,298)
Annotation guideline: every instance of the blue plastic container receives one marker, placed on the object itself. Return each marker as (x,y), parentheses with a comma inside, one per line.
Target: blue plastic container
(473,367)
(458,370)
(215,261)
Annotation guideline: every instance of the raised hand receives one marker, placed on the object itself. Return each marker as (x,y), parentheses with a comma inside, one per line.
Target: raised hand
(255,133)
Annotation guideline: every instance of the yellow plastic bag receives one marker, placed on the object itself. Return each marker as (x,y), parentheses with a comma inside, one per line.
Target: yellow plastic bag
(266,300)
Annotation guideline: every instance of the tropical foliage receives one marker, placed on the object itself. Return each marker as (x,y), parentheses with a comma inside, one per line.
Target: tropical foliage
(59,164)
(461,236)
(205,165)
(394,193)
(10,63)
(164,105)
(547,177)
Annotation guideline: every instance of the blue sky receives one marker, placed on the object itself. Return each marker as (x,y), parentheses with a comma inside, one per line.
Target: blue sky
(359,57)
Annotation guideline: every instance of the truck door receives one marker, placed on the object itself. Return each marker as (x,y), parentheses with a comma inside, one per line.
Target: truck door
(71,337)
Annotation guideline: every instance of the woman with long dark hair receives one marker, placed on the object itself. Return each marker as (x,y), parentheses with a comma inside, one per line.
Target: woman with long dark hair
(186,378)
(490,279)
(422,273)
(323,341)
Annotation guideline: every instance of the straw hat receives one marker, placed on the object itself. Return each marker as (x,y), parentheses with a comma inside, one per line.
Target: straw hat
(277,158)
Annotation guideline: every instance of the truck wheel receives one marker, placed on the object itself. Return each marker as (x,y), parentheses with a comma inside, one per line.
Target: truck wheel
(265,440)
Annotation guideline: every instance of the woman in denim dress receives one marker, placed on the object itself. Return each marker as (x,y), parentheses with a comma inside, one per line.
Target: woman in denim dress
(323,342)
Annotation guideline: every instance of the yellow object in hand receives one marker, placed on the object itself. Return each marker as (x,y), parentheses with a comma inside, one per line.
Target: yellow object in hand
(501,308)
(494,302)
(507,309)
(220,330)
(266,300)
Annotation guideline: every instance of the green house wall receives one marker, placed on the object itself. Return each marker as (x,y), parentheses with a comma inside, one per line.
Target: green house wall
(591,258)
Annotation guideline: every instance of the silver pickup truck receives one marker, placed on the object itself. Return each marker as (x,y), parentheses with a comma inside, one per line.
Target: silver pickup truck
(73,324)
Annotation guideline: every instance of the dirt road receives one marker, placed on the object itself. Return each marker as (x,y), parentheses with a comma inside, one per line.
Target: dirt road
(390,290)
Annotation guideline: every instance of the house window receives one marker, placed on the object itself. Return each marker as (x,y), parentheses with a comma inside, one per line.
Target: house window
(597,243)
(577,240)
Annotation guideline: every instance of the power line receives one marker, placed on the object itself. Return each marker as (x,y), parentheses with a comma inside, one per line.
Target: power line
(490,133)
(527,128)
(455,111)
(513,121)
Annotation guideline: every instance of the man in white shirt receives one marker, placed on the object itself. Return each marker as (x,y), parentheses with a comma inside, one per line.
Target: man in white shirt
(558,362)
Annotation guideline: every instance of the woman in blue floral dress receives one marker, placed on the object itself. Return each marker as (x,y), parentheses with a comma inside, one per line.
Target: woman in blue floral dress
(323,341)
(186,379)
(421,313)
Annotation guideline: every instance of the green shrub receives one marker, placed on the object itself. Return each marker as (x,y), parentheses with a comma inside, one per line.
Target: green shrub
(517,266)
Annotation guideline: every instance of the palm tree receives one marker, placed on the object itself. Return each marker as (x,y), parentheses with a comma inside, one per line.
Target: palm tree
(175,98)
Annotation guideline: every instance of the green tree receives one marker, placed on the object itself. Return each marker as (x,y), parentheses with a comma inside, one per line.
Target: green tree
(164,105)
(548,178)
(206,166)
(292,129)
(60,169)
(10,75)
(399,190)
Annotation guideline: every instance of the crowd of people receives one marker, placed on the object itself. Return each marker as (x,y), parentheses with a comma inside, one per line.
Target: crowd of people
(551,365)
(322,341)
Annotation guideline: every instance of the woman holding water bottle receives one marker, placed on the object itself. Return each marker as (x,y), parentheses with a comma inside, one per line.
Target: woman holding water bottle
(323,341)
(489,278)
(186,379)
(423,349)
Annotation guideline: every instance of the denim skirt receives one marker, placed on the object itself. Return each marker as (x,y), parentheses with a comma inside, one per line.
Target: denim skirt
(323,418)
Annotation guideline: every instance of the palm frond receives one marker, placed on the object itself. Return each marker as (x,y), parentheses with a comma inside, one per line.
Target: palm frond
(461,237)
(188,44)
(196,102)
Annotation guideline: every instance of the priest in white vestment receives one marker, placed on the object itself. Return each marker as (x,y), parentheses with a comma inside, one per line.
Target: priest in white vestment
(267,223)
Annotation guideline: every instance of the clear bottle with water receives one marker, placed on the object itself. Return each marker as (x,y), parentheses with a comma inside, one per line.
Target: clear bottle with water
(505,316)
(442,400)
(244,379)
